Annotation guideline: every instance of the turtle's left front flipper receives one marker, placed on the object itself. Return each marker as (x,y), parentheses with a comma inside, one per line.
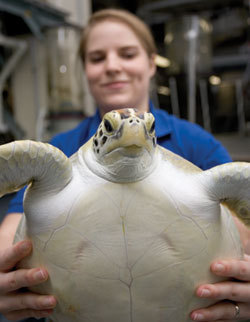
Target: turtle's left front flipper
(230,184)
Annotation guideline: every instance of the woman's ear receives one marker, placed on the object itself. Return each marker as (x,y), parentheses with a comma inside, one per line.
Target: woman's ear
(152,64)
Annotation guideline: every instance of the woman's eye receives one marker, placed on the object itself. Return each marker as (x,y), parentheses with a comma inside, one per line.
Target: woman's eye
(96,59)
(129,55)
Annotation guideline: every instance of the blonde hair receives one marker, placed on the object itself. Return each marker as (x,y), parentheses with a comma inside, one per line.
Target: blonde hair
(140,29)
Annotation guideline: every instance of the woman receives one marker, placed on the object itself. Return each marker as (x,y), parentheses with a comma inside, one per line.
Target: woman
(118,53)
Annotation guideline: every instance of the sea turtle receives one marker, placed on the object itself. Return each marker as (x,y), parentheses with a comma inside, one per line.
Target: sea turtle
(126,229)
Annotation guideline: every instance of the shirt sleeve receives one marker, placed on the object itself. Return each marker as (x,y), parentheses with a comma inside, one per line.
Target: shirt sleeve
(214,155)
(200,147)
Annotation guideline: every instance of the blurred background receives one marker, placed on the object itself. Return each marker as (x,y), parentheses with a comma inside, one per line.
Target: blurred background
(203,72)
(203,65)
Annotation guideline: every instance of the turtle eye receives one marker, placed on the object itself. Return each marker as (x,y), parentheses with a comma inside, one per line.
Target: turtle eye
(108,126)
(152,128)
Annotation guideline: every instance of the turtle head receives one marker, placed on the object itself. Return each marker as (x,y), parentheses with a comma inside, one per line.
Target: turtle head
(125,143)
(125,132)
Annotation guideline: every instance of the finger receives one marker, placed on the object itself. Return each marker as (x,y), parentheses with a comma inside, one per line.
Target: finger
(228,290)
(26,301)
(233,268)
(24,314)
(21,278)
(222,311)
(12,255)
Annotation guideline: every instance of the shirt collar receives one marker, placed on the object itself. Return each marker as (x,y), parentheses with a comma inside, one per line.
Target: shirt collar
(162,124)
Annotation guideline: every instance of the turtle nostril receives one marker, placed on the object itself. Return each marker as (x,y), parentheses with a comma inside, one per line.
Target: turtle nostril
(152,127)
(108,126)
(135,120)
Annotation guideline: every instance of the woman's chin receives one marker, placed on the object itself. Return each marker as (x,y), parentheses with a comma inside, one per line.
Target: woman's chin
(119,104)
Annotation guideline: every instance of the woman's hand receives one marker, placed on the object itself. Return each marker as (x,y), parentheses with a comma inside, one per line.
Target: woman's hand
(233,296)
(16,304)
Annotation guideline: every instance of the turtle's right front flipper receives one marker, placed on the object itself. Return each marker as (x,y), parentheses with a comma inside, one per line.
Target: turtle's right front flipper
(24,162)
(230,184)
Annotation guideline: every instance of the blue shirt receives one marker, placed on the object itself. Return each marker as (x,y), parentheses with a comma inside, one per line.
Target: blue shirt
(180,136)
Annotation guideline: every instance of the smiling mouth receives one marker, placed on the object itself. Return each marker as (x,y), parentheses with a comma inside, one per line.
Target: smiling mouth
(117,84)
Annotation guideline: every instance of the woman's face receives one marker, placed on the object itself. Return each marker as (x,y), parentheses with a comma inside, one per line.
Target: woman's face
(118,68)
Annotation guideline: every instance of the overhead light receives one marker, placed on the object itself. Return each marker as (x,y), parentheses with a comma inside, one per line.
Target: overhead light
(161,61)
(205,25)
(163,90)
(214,80)
(168,38)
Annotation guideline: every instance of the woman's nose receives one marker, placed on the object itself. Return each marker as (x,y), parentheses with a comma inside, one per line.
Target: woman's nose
(113,64)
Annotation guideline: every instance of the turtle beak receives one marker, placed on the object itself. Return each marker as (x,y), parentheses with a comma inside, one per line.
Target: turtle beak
(134,140)
(134,135)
